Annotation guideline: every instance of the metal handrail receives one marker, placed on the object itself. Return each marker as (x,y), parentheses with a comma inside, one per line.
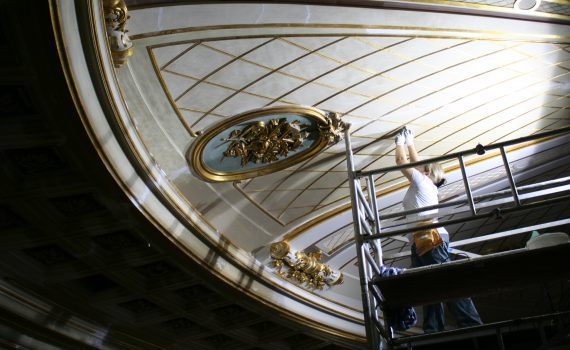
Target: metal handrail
(368,238)
(476,331)
(360,173)
(467,219)
(496,194)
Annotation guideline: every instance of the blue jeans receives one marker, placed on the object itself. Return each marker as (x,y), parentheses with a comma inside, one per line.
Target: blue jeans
(463,310)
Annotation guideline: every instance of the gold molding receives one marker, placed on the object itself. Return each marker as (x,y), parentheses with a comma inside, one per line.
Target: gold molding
(346,26)
(257,205)
(329,129)
(220,67)
(167,91)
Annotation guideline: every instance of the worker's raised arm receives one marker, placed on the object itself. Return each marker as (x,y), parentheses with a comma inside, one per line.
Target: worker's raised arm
(409,136)
(401,157)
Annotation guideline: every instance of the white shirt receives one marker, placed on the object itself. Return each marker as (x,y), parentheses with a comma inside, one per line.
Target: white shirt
(422,193)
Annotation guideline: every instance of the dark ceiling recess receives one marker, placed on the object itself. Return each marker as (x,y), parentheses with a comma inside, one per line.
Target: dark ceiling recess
(74,244)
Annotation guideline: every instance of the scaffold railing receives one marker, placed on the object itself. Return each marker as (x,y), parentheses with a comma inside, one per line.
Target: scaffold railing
(368,230)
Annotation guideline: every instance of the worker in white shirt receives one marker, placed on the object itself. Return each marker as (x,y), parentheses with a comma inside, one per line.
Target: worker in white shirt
(430,246)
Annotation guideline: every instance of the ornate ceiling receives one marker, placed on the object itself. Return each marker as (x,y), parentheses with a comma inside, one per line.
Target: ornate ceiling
(454,93)
(456,80)
(458,74)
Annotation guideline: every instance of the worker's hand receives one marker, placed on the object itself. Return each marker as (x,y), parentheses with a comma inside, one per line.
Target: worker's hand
(400,139)
(409,136)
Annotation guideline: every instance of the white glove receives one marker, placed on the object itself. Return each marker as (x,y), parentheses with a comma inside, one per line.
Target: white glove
(409,136)
(400,139)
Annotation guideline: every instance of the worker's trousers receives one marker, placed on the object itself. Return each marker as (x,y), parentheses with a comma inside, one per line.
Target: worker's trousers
(463,310)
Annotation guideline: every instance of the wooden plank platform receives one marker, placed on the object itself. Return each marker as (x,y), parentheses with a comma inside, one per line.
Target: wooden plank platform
(477,276)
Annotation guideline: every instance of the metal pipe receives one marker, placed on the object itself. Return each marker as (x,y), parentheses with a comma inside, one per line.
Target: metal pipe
(376,218)
(364,203)
(476,331)
(500,339)
(371,197)
(543,339)
(381,326)
(494,203)
(467,186)
(510,177)
(374,312)
(509,233)
(488,237)
(462,220)
(540,185)
(372,263)
(488,205)
(359,174)
(419,210)
(364,224)
(376,293)
(371,333)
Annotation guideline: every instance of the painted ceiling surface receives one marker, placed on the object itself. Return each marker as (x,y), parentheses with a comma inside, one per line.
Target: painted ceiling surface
(454,80)
(453,93)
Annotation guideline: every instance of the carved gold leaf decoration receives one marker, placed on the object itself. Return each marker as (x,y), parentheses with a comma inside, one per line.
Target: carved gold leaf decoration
(116,16)
(262,142)
(304,268)
(334,129)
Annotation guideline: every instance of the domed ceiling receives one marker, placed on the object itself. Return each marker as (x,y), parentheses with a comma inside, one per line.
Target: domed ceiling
(456,79)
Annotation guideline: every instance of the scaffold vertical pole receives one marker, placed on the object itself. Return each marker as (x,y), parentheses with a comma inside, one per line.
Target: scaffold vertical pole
(467,186)
(510,177)
(376,218)
(368,303)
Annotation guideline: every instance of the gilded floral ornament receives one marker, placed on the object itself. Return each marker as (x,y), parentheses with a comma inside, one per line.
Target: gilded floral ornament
(334,128)
(262,141)
(266,142)
(303,268)
(116,16)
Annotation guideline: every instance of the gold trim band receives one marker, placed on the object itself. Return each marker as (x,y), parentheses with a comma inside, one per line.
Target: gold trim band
(339,26)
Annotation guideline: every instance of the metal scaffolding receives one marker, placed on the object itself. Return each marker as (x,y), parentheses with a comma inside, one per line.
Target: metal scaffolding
(381,293)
